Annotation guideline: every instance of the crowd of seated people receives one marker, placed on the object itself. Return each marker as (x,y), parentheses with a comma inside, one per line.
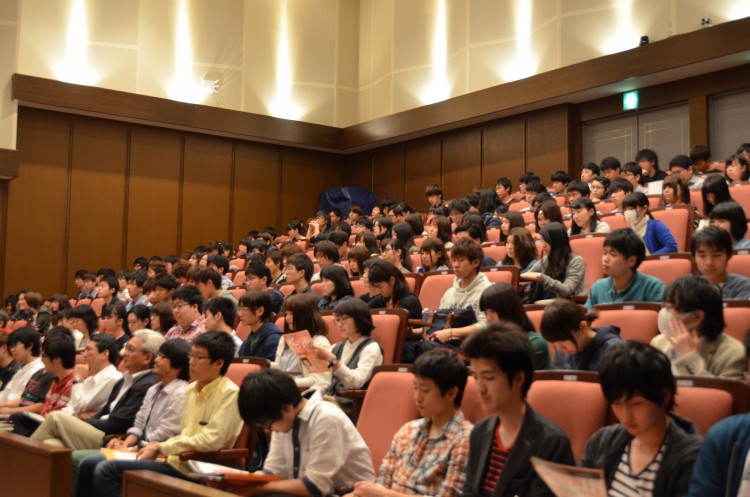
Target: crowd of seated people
(141,351)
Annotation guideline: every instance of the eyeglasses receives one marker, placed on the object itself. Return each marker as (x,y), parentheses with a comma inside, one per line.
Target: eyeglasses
(131,348)
(198,357)
(339,320)
(177,306)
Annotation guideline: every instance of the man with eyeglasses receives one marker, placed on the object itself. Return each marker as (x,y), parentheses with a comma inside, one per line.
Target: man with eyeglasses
(24,345)
(118,414)
(210,421)
(187,305)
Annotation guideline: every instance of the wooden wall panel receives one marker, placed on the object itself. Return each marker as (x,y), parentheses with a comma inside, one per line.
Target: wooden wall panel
(302,180)
(358,169)
(153,192)
(37,205)
(462,161)
(422,169)
(4,184)
(335,175)
(388,173)
(206,190)
(547,142)
(257,182)
(97,196)
(503,151)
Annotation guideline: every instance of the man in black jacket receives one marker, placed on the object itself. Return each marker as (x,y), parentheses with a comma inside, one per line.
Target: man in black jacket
(118,414)
(651,448)
(501,445)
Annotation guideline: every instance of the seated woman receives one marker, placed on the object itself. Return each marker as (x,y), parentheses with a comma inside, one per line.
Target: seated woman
(545,213)
(488,203)
(585,218)
(369,241)
(404,233)
(294,230)
(433,255)
(353,360)
(440,228)
(393,251)
(691,325)
(382,227)
(655,234)
(139,318)
(394,291)
(58,302)
(714,191)
(560,273)
(737,169)
(301,313)
(511,219)
(334,287)
(651,447)
(520,250)
(162,317)
(83,323)
(599,189)
(675,191)
(115,323)
(567,327)
(730,216)
(357,257)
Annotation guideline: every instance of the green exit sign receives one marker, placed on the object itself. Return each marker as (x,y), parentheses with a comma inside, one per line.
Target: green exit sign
(630,100)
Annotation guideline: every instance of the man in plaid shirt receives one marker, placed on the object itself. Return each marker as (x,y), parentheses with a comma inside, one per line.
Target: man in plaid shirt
(187,305)
(427,456)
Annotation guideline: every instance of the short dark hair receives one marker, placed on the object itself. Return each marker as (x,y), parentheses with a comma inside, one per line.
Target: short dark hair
(208,274)
(105,341)
(224,306)
(621,184)
(339,238)
(117,310)
(219,345)
(714,237)
(505,182)
(628,243)
(505,301)
(714,184)
(302,262)
(635,368)
(260,271)
(111,280)
(536,186)
(506,345)
(264,395)
(560,176)
(592,167)
(178,353)
(681,161)
(561,318)
(340,278)
(167,281)
(433,190)
(254,300)
(220,262)
(460,205)
(327,249)
(699,152)
(649,155)
(468,249)
(87,315)
(734,213)
(445,368)
(28,337)
(138,277)
(635,169)
(693,293)
(360,312)
(190,295)
(609,163)
(60,344)
(527,178)
(381,271)
(579,186)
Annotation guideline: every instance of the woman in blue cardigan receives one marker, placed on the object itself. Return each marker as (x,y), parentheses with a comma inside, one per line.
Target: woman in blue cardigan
(655,234)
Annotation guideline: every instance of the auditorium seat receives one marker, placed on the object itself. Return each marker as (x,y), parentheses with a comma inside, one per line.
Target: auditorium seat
(590,247)
(604,207)
(679,220)
(502,274)
(390,332)
(416,261)
(615,221)
(702,402)
(737,318)
(741,194)
(535,312)
(493,235)
(471,405)
(668,267)
(496,251)
(359,286)
(286,290)
(242,331)
(238,263)
(83,302)
(740,262)
(636,320)
(434,285)
(239,278)
(518,206)
(243,366)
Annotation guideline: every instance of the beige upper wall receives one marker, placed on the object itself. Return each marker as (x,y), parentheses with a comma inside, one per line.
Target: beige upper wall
(334,62)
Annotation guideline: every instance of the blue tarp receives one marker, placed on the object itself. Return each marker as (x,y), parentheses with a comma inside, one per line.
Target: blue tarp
(344,197)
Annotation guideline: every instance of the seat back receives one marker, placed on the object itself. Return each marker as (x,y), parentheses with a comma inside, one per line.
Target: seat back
(334,335)
(286,290)
(704,406)
(496,251)
(590,413)
(434,285)
(416,261)
(679,220)
(615,221)
(493,235)
(741,194)
(605,207)
(535,313)
(243,366)
(667,267)
(518,206)
(413,281)
(390,332)
(636,320)
(239,278)
(737,318)
(471,405)
(97,304)
(590,247)
(359,287)
(83,302)
(740,262)
(243,331)
(502,274)
(654,201)
(238,292)
(238,263)
(696,198)
(388,405)
(19,324)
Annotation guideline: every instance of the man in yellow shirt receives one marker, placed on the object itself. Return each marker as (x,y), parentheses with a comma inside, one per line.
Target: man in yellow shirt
(210,420)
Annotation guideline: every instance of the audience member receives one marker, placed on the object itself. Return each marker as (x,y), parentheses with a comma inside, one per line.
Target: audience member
(8,365)
(681,166)
(255,312)
(655,234)
(24,345)
(162,317)
(433,255)
(730,216)
(94,380)
(393,290)
(187,305)
(600,189)
(560,273)
(219,315)
(299,271)
(737,169)
(520,250)
(675,191)
(649,164)
(711,248)
(334,287)
(585,218)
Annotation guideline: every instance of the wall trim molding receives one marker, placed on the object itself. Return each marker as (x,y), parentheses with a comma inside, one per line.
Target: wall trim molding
(9,162)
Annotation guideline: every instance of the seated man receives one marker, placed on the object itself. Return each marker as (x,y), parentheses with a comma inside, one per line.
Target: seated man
(427,456)
(334,455)
(220,314)
(210,419)
(651,450)
(118,414)
(500,447)
(208,281)
(691,325)
(623,252)
(8,366)
(136,280)
(681,165)
(157,420)
(618,190)
(258,277)
(327,254)
(220,264)
(23,344)
(187,304)
(255,312)
(299,271)
(711,248)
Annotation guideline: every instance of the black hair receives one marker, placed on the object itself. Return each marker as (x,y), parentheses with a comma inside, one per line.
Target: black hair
(404,233)
(515,220)
(743,163)
(487,201)
(338,238)
(327,249)
(219,345)
(433,189)
(59,343)
(560,176)
(694,292)
(338,275)
(628,243)
(681,161)
(505,301)
(396,244)
(259,270)
(415,221)
(460,205)
(714,237)
(137,277)
(733,212)
(305,314)
(635,368)
(294,224)
(592,167)
(141,311)
(370,241)
(385,223)
(326,217)
(264,395)
(634,169)
(635,200)
(621,184)
(430,244)
(302,262)
(699,152)
(111,280)
(28,337)
(446,369)
(648,155)
(562,318)
(105,341)
(105,271)
(714,184)
(118,311)
(167,281)
(86,314)
(475,220)
(579,186)
(177,351)
(381,272)
(470,250)
(609,163)
(219,261)
(536,187)
(190,295)
(588,204)
(508,346)
(360,312)
(254,300)
(556,235)
(505,182)
(224,306)
(527,178)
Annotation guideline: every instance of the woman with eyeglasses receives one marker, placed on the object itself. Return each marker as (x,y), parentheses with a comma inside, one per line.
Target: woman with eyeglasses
(352,360)
(394,252)
(334,287)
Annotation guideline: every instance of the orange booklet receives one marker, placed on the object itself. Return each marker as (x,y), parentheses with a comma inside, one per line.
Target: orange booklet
(301,343)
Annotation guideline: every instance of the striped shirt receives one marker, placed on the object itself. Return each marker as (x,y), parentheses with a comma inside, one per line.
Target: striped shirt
(625,484)
(498,456)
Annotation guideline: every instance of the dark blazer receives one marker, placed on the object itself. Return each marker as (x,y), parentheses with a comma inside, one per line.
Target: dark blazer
(538,437)
(122,416)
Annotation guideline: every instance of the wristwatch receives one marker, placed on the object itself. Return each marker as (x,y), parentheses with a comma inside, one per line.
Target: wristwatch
(333,363)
